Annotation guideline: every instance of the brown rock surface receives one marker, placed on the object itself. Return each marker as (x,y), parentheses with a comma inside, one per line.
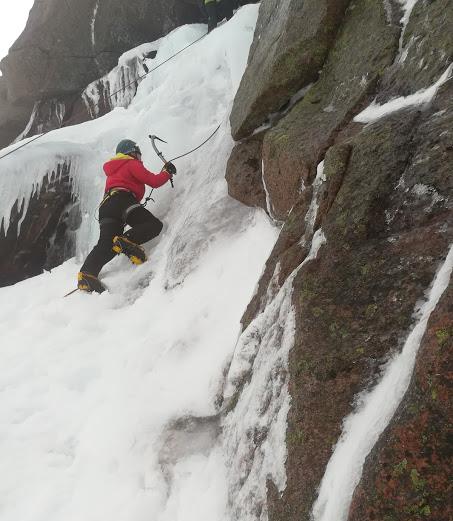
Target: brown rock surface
(387,212)
(406,475)
(294,147)
(291,42)
(426,50)
(244,175)
(355,303)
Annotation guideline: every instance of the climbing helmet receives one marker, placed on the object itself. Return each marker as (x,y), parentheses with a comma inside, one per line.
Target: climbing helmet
(128,147)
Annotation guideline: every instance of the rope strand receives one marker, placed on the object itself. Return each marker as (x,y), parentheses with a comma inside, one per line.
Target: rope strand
(140,77)
(150,198)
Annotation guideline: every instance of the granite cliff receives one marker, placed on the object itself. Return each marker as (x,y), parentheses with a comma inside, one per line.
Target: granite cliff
(386,209)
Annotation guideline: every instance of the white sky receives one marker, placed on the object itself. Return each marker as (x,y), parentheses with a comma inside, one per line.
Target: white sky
(12,22)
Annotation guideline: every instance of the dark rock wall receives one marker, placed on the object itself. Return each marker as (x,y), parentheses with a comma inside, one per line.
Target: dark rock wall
(386,209)
(42,236)
(291,42)
(67,44)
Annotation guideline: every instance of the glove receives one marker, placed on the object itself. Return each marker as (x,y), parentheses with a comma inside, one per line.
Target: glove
(170,168)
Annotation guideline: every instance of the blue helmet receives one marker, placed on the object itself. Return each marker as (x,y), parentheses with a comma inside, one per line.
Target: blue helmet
(127,146)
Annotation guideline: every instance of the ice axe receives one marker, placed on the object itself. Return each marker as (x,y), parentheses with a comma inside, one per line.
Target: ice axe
(153,139)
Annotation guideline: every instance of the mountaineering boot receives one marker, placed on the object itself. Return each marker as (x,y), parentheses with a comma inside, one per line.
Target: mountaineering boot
(135,252)
(89,283)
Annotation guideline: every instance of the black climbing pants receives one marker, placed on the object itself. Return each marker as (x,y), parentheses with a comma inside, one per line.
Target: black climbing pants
(117,211)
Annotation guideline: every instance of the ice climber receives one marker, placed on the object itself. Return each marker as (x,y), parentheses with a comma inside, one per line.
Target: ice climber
(124,189)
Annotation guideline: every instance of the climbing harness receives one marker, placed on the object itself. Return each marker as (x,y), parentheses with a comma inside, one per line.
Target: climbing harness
(107,196)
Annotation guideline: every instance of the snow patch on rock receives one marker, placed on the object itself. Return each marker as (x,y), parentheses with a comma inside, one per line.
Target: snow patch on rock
(375,111)
(374,410)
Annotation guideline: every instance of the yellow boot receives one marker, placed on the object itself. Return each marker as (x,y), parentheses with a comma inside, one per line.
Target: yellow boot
(89,283)
(134,252)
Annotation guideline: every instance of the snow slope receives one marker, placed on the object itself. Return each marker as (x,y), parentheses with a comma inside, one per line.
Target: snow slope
(91,386)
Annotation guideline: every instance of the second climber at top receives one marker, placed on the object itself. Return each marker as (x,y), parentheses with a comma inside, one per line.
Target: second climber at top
(124,189)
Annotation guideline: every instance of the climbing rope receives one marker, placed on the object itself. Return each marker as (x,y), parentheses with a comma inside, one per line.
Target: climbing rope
(199,146)
(150,196)
(140,77)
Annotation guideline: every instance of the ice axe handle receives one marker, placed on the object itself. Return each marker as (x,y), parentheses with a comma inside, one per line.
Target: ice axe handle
(159,153)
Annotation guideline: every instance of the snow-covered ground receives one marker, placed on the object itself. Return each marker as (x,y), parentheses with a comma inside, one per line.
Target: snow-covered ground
(91,385)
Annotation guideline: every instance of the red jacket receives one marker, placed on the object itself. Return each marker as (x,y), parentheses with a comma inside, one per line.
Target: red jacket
(127,172)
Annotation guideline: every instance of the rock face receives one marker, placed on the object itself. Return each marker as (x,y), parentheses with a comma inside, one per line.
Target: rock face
(12,118)
(291,42)
(385,205)
(244,173)
(406,475)
(300,140)
(67,45)
(43,235)
(115,89)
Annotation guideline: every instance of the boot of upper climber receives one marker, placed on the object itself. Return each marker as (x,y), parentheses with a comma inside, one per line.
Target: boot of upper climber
(89,283)
(132,250)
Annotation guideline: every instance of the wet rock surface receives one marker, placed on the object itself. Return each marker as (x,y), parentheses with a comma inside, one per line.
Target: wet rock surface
(43,235)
